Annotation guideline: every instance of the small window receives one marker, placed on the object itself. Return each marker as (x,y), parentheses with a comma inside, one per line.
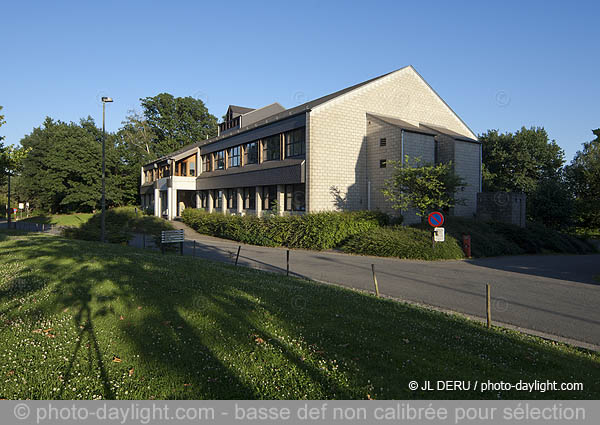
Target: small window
(383,142)
(382,163)
(220,160)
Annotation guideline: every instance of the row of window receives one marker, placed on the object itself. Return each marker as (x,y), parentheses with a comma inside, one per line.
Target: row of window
(294,198)
(249,153)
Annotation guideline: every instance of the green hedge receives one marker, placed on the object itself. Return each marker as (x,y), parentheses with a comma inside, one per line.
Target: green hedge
(403,242)
(121,224)
(492,238)
(310,231)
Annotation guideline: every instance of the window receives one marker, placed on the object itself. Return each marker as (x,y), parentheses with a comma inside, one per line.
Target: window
(382,142)
(271,148)
(382,163)
(269,197)
(294,142)
(192,168)
(249,198)
(251,153)
(295,197)
(220,160)
(217,195)
(204,199)
(206,166)
(231,199)
(234,156)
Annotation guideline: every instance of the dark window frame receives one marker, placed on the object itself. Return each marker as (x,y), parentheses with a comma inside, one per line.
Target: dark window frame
(383,163)
(249,198)
(295,142)
(234,157)
(291,203)
(220,159)
(251,155)
(383,141)
(269,197)
(270,154)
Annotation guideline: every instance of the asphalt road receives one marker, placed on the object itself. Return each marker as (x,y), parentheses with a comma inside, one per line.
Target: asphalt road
(553,294)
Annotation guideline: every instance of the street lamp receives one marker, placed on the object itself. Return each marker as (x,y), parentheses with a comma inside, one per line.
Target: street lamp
(105,100)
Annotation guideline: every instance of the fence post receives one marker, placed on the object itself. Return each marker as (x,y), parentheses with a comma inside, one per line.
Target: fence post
(143,241)
(488,305)
(194,254)
(181,248)
(375,279)
(287,273)
(237,257)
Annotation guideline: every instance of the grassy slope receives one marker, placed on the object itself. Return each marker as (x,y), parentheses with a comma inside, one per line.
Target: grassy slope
(60,219)
(187,328)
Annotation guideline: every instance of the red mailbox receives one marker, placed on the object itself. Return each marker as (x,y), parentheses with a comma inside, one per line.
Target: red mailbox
(467,245)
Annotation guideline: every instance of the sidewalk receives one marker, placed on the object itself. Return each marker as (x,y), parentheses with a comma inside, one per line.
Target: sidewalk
(550,294)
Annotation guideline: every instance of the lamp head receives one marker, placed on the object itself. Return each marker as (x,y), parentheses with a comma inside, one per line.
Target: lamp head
(106,99)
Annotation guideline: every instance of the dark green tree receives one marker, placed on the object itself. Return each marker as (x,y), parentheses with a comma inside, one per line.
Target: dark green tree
(583,175)
(551,203)
(176,122)
(518,162)
(62,173)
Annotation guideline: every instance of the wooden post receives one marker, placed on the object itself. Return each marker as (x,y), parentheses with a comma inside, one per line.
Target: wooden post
(287,273)
(375,280)
(143,241)
(194,248)
(180,248)
(489,309)
(237,257)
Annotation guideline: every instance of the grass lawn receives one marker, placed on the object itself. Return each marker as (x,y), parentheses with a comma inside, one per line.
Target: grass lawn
(60,219)
(84,320)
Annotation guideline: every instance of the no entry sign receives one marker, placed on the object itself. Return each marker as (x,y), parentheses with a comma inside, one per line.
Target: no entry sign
(435,219)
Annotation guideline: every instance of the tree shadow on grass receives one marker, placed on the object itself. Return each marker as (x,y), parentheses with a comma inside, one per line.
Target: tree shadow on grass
(191,321)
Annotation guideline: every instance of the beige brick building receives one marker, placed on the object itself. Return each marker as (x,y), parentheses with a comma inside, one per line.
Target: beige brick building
(328,154)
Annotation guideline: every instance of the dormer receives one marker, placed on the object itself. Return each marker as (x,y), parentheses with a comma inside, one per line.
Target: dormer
(238,116)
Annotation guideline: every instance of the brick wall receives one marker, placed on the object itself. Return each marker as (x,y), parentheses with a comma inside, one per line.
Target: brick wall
(336,142)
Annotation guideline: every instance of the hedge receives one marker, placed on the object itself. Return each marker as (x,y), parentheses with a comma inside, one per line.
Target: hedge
(402,242)
(309,231)
(121,224)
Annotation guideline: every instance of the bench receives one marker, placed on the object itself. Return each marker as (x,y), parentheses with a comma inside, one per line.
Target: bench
(171,236)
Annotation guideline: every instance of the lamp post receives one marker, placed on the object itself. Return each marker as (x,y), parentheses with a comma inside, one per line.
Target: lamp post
(105,100)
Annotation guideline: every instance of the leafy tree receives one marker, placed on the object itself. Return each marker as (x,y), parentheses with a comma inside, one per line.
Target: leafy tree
(424,187)
(518,162)
(551,203)
(583,175)
(62,171)
(176,122)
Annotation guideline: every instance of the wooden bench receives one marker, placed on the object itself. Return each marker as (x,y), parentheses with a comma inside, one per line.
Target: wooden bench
(171,236)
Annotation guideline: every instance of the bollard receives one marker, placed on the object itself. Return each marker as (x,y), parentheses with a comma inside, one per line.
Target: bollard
(237,257)
(375,280)
(489,309)
(467,245)
(194,255)
(287,272)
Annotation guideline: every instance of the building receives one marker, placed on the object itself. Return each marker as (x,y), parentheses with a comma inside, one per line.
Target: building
(327,154)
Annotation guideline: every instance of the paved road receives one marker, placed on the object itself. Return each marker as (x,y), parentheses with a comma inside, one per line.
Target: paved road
(554,294)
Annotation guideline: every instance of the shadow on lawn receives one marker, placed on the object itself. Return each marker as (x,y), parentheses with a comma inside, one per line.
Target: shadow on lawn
(163,307)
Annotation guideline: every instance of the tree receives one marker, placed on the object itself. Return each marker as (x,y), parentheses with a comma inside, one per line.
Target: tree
(423,187)
(583,175)
(61,172)
(176,122)
(518,162)
(551,203)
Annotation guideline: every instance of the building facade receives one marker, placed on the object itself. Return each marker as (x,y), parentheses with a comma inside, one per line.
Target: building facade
(328,154)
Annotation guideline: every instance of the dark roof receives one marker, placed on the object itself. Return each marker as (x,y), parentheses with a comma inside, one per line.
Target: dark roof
(276,117)
(403,124)
(240,109)
(448,132)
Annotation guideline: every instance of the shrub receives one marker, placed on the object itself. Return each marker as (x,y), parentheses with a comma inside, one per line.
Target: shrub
(402,242)
(310,231)
(121,224)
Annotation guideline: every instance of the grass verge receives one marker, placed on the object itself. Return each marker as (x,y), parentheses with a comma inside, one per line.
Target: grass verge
(85,320)
(73,220)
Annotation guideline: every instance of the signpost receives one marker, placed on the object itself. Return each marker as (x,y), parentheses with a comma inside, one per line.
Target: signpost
(435,220)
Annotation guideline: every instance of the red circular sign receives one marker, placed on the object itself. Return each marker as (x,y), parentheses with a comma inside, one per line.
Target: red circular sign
(435,219)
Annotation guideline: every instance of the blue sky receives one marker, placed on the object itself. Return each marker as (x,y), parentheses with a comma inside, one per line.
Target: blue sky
(501,65)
